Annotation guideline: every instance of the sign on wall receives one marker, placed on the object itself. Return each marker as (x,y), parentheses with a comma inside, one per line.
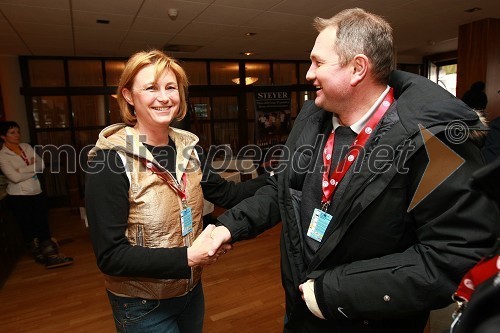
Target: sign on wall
(273,117)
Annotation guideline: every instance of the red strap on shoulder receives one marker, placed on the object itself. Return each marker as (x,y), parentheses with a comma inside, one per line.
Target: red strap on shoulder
(481,272)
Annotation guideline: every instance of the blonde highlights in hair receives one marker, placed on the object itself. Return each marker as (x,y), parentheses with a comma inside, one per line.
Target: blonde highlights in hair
(162,63)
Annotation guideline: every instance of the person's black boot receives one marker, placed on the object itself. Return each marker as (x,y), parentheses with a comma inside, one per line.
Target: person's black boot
(34,248)
(53,258)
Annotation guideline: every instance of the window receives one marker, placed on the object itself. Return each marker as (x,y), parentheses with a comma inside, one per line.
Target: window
(440,68)
(114,70)
(88,110)
(223,72)
(259,71)
(285,73)
(85,73)
(46,73)
(445,74)
(50,111)
(196,72)
(303,68)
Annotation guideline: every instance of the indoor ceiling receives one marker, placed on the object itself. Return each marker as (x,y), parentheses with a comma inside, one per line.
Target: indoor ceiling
(217,29)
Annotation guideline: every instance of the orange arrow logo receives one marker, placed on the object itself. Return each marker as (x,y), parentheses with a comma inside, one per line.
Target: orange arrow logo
(443,162)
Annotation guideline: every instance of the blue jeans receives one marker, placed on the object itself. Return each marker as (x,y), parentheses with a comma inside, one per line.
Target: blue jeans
(174,315)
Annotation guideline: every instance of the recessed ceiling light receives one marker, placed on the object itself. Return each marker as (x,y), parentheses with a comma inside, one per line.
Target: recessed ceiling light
(472,10)
(247,53)
(100,21)
(180,48)
(250,34)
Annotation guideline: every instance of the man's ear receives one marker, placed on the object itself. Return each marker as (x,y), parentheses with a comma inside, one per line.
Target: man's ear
(127,94)
(360,69)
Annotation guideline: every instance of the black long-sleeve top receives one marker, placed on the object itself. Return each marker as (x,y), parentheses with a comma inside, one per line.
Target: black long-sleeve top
(107,204)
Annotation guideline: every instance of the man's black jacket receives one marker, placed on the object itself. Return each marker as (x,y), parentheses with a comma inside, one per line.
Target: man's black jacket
(381,266)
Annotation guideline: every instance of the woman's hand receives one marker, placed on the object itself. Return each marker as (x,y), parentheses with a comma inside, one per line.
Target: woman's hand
(198,252)
(220,238)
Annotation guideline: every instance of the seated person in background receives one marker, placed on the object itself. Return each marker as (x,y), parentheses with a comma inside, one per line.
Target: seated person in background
(475,97)
(20,165)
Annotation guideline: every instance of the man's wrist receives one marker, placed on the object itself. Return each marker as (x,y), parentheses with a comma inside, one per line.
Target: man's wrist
(310,298)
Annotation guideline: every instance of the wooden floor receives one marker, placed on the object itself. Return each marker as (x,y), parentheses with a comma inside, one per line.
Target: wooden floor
(242,290)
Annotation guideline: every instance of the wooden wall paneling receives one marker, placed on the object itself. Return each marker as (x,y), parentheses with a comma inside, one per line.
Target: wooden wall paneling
(472,51)
(493,70)
(479,60)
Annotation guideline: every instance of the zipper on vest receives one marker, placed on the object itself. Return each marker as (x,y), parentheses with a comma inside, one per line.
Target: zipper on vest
(187,242)
(139,238)
(190,280)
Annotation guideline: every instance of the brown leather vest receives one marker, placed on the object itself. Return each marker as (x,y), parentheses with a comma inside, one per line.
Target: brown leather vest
(154,215)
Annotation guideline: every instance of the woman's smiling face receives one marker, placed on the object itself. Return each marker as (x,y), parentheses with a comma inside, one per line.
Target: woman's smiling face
(156,104)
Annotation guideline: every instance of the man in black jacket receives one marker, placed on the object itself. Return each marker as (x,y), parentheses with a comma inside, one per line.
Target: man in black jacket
(379,222)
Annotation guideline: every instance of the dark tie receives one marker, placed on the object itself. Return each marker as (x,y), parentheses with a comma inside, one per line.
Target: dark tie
(344,137)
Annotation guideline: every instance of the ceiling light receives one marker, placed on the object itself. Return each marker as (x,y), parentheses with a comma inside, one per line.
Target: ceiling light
(173,13)
(250,34)
(473,9)
(247,53)
(180,48)
(248,80)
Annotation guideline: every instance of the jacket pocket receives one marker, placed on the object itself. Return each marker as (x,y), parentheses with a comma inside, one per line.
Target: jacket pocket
(364,267)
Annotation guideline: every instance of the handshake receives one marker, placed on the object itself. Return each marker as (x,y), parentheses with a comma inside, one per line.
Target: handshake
(210,244)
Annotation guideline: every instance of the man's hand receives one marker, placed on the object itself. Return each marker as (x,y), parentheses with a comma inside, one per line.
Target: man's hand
(220,239)
(301,289)
(198,253)
(307,292)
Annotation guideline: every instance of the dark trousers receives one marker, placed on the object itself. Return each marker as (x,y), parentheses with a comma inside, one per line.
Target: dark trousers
(31,212)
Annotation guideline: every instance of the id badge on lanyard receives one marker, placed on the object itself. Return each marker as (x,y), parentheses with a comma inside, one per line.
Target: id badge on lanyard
(186,221)
(320,218)
(319,222)
(186,215)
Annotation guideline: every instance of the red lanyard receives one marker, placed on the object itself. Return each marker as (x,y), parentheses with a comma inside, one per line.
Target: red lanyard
(23,155)
(483,270)
(181,191)
(330,182)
